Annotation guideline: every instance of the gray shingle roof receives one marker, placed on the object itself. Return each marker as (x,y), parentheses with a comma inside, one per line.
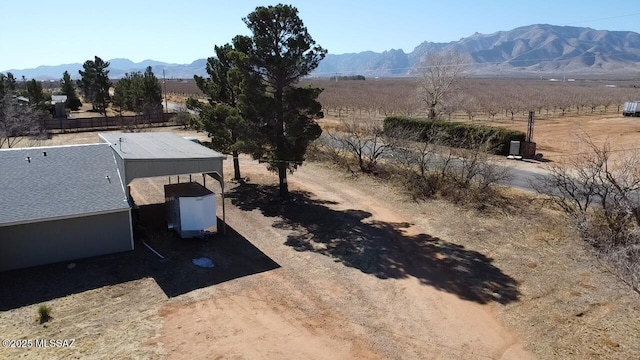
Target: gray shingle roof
(69,181)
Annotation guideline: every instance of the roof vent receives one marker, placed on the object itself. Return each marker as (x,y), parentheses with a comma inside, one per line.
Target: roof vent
(44,153)
(108,178)
(28,158)
(121,140)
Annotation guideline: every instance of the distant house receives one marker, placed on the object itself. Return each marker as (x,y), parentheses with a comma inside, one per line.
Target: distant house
(61,203)
(58,103)
(58,99)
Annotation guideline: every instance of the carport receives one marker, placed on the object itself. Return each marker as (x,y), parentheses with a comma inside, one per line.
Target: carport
(152,154)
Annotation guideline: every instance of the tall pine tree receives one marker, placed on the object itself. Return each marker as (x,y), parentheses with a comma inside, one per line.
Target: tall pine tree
(69,89)
(34,92)
(95,84)
(277,55)
(221,118)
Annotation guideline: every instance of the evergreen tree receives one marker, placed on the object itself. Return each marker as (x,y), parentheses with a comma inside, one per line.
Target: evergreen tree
(151,93)
(3,88)
(34,91)
(124,93)
(139,92)
(221,118)
(95,84)
(7,84)
(279,53)
(69,89)
(10,82)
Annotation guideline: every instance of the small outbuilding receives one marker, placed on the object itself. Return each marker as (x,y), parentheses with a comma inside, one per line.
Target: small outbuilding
(58,103)
(61,203)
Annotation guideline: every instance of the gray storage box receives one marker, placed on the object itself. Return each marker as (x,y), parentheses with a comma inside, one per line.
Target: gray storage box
(514,148)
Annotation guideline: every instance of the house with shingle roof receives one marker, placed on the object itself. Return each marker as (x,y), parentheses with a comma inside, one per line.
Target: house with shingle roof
(60,203)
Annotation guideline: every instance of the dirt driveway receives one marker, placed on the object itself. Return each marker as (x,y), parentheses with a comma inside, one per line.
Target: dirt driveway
(358,279)
(348,269)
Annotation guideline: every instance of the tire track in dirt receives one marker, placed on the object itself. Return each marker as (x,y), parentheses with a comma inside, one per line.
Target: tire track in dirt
(314,307)
(472,318)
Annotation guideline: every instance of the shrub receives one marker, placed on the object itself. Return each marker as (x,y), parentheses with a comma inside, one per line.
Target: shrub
(186,120)
(44,313)
(600,196)
(74,104)
(461,135)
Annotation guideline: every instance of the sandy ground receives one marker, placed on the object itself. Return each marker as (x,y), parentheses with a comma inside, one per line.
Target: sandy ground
(560,137)
(361,273)
(315,307)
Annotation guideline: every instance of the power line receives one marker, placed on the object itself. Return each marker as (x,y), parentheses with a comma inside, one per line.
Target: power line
(515,60)
(601,19)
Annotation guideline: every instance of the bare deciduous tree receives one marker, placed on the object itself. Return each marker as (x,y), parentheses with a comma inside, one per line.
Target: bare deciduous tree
(464,169)
(441,76)
(365,140)
(18,121)
(469,165)
(413,150)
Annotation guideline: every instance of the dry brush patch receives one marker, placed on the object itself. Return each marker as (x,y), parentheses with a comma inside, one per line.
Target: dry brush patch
(570,307)
(601,197)
(574,306)
(427,163)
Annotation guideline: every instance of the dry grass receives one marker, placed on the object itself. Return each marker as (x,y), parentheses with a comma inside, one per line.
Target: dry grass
(571,306)
(568,307)
(557,137)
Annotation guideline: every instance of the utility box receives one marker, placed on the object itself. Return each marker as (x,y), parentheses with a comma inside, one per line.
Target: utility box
(528,150)
(191,209)
(514,148)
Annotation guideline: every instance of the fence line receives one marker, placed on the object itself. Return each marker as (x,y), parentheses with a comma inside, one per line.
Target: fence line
(101,122)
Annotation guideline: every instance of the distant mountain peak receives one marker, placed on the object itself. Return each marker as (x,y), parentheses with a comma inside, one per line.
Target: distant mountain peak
(536,48)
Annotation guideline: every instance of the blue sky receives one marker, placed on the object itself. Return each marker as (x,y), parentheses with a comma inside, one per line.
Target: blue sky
(39,32)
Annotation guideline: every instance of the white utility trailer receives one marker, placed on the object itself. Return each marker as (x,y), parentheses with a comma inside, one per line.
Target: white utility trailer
(191,209)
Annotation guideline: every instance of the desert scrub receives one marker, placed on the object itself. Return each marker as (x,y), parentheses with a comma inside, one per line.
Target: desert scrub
(44,313)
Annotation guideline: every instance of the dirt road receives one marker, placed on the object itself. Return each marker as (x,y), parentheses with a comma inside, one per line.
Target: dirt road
(359,279)
(348,269)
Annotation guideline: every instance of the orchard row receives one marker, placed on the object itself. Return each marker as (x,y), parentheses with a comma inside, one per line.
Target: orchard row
(493,99)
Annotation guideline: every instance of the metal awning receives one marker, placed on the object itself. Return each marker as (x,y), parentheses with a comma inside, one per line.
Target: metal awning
(152,154)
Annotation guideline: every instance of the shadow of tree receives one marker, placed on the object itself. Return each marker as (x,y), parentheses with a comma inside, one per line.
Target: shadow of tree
(379,248)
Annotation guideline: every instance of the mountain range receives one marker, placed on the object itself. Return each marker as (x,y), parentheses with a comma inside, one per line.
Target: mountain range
(535,49)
